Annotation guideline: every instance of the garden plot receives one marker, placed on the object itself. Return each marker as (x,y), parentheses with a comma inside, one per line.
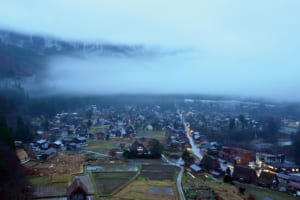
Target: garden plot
(108,182)
(159,172)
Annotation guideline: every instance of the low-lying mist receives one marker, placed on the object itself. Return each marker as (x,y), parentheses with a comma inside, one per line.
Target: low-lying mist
(186,73)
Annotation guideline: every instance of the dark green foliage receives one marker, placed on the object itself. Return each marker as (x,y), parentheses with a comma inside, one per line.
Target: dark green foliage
(228,171)
(188,158)
(12,176)
(155,147)
(209,163)
(242,190)
(296,147)
(89,114)
(6,134)
(232,124)
(227,179)
(22,132)
(242,120)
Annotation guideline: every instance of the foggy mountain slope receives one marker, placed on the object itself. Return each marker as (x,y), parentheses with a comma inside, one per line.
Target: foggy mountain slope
(24,55)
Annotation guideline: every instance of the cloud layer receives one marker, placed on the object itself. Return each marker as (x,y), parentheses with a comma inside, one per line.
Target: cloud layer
(248,48)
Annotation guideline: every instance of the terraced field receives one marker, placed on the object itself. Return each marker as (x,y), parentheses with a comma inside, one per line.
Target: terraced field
(159,172)
(108,182)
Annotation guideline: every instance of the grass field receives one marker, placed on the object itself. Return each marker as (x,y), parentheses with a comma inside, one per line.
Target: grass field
(96,129)
(260,193)
(148,190)
(38,180)
(159,172)
(44,187)
(107,183)
(224,190)
(102,146)
(154,134)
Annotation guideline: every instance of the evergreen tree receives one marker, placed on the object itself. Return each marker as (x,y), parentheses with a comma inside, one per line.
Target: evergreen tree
(6,134)
(22,132)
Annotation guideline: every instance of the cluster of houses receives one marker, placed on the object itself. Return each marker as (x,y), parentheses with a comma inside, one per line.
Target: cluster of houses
(71,130)
(250,166)
(263,169)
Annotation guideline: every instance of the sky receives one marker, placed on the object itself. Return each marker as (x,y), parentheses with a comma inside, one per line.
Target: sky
(232,47)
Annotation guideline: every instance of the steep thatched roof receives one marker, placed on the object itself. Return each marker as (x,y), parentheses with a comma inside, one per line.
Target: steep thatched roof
(76,184)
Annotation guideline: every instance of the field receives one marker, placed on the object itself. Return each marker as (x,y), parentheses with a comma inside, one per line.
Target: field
(205,184)
(107,183)
(96,129)
(102,146)
(43,187)
(147,134)
(261,193)
(148,190)
(159,172)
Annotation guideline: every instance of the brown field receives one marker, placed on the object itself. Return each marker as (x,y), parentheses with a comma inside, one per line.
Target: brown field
(224,190)
(102,146)
(154,134)
(260,193)
(43,187)
(106,182)
(148,190)
(159,172)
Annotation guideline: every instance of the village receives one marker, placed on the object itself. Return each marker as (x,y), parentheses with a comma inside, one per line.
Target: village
(148,152)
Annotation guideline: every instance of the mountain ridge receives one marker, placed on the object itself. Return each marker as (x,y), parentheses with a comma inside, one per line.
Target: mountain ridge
(23,55)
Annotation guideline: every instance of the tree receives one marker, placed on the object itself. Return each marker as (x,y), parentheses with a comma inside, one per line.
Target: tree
(228,171)
(6,134)
(89,123)
(232,124)
(107,137)
(112,153)
(187,157)
(273,125)
(271,128)
(89,114)
(296,147)
(242,119)
(12,175)
(227,178)
(22,132)
(155,147)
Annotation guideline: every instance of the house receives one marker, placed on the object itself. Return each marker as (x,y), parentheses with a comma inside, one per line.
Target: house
(80,140)
(100,135)
(295,178)
(57,144)
(244,174)
(269,158)
(237,155)
(49,153)
(283,167)
(43,144)
(216,174)
(195,168)
(77,190)
(72,146)
(294,187)
(267,179)
(139,148)
(283,181)
(22,156)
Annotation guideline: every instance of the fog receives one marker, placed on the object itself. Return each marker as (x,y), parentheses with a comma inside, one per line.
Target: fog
(247,48)
(186,73)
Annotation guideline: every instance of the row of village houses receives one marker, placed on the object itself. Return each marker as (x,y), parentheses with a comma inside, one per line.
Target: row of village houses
(260,168)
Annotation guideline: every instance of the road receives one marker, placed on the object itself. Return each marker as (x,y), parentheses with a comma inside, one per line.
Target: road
(179,177)
(95,152)
(196,150)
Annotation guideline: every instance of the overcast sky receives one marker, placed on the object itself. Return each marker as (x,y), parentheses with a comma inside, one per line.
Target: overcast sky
(248,48)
